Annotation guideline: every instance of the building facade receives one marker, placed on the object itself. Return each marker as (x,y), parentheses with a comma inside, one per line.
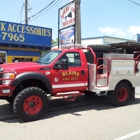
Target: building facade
(98,40)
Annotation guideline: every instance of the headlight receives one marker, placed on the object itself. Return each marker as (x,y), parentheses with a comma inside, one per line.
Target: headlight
(9,77)
(1,69)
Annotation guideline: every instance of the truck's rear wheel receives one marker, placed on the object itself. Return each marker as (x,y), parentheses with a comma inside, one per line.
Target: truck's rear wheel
(30,104)
(121,95)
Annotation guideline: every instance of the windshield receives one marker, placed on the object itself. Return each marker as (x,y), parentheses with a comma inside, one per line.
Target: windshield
(48,57)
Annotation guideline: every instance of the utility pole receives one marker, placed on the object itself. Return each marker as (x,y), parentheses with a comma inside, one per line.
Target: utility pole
(26,11)
(78,21)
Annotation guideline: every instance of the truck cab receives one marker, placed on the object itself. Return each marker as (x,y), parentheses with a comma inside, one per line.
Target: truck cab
(75,77)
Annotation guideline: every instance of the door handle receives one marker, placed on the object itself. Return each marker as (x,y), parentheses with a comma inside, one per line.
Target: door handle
(82,72)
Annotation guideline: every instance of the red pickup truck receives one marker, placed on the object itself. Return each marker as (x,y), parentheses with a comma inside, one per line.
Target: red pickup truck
(63,72)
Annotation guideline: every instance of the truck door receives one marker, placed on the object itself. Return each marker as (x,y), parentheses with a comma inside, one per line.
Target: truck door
(73,79)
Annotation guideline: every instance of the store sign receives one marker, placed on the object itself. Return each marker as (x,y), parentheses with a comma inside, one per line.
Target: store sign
(67,15)
(67,36)
(16,33)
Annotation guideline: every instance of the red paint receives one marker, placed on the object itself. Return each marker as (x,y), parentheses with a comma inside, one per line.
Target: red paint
(32,105)
(122,94)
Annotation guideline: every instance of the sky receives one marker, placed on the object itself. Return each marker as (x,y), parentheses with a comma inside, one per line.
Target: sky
(116,18)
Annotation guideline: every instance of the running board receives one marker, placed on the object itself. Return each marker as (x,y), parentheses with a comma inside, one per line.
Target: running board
(69,96)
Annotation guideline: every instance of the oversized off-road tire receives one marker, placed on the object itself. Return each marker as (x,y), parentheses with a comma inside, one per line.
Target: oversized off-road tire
(121,95)
(30,104)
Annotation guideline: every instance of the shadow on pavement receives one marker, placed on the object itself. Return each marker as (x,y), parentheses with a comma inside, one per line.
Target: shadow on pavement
(60,107)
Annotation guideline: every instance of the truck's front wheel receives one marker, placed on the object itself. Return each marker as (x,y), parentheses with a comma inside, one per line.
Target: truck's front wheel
(121,95)
(30,104)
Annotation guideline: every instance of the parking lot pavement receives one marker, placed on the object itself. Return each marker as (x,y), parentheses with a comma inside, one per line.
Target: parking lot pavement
(137,90)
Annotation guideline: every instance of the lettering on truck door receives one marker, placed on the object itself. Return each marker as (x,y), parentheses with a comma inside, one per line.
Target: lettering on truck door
(75,76)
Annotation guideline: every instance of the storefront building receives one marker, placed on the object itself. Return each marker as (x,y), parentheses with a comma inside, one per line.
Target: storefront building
(20,42)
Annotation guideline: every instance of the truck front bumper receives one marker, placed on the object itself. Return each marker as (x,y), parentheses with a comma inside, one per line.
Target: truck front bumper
(6,90)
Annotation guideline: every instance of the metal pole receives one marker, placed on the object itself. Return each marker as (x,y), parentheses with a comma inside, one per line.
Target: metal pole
(26,11)
(58,27)
(78,21)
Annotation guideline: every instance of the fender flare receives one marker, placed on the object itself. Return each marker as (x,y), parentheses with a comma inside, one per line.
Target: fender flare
(32,75)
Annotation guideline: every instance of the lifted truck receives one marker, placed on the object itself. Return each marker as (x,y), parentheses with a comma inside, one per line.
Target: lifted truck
(70,71)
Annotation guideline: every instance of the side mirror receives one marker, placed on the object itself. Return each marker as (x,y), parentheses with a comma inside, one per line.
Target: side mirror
(63,64)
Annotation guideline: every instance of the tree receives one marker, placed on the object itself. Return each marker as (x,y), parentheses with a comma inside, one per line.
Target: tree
(54,41)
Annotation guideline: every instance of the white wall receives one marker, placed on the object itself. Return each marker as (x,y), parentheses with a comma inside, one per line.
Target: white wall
(99,40)
(113,40)
(92,41)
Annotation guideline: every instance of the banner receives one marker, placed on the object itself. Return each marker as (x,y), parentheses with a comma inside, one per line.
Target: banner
(67,36)
(15,33)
